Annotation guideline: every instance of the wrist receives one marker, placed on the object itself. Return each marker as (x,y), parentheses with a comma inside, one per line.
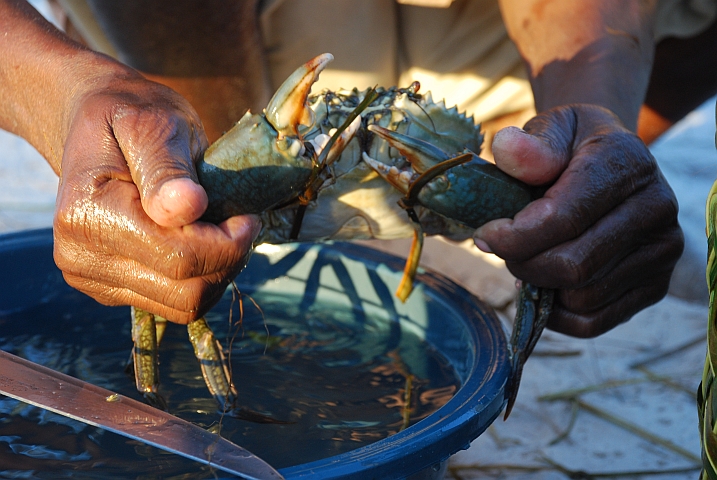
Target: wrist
(80,76)
(593,52)
(610,73)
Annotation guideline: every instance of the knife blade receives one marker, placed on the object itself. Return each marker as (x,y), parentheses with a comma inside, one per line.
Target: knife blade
(65,395)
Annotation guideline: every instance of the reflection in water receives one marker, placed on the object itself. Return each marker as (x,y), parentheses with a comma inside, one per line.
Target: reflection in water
(341,378)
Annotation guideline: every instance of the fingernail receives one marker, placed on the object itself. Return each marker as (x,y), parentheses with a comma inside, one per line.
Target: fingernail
(482,246)
(256,227)
(178,202)
(243,227)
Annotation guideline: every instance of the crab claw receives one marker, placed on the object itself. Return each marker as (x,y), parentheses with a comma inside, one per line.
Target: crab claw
(464,188)
(288,109)
(262,161)
(422,155)
(400,179)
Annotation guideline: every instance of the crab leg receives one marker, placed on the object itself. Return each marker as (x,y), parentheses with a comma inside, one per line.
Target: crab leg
(217,375)
(429,162)
(146,330)
(215,368)
(405,287)
(534,306)
(473,193)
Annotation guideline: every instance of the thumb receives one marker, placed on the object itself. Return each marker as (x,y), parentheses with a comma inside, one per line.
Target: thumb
(178,201)
(536,158)
(161,152)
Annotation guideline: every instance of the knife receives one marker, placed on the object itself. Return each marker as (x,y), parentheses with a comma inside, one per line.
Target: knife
(65,395)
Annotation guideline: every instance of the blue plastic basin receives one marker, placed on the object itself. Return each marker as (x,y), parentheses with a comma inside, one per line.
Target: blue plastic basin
(453,321)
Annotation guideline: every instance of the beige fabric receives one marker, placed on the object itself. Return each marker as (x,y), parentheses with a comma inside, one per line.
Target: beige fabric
(81,16)
(428,3)
(461,54)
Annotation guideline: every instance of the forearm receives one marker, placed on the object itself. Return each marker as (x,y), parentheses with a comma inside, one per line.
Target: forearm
(592,51)
(42,73)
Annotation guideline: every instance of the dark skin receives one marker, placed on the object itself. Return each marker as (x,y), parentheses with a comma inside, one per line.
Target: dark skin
(605,234)
(124,147)
(611,207)
(589,237)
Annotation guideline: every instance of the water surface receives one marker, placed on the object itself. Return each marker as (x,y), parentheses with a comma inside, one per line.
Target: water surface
(337,378)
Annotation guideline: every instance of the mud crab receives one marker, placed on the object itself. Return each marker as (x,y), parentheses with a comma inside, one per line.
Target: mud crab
(380,163)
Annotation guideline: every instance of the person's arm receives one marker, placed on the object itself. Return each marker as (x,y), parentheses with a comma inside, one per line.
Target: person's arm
(594,51)
(36,80)
(124,148)
(605,234)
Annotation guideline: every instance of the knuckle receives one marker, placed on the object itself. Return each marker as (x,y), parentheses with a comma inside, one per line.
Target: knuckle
(571,272)
(592,328)
(159,142)
(106,295)
(183,263)
(152,126)
(67,258)
(582,325)
(672,243)
(74,281)
(71,227)
(663,201)
(194,297)
(556,127)
(631,159)
(149,121)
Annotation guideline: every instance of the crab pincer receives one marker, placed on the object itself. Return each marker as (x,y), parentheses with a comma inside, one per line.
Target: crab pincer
(263,160)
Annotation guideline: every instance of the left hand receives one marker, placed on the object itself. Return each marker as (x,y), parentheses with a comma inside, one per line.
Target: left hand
(604,235)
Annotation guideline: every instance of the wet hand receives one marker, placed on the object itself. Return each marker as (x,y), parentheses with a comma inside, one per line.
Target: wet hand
(126,229)
(605,233)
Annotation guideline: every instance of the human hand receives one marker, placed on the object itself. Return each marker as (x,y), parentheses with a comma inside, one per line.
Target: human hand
(605,234)
(125,225)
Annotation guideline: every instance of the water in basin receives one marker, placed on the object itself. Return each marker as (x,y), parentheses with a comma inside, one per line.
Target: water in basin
(337,375)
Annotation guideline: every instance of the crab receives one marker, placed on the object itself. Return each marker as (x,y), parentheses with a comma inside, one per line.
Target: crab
(381,163)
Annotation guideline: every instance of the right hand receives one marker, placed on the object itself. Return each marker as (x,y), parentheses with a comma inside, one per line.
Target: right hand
(126,229)
(605,234)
